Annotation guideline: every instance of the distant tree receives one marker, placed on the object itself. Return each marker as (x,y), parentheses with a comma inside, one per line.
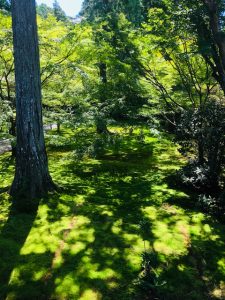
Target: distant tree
(58,12)
(100,9)
(32,178)
(43,10)
(5,4)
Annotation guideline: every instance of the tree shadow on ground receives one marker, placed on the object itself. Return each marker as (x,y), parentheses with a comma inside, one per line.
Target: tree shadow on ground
(104,238)
(109,233)
(196,275)
(203,265)
(12,238)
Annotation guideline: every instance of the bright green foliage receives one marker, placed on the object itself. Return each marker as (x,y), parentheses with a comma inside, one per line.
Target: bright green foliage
(203,20)
(62,78)
(172,64)
(122,94)
(65,55)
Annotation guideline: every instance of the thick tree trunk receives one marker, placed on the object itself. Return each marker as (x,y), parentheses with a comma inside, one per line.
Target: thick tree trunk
(32,179)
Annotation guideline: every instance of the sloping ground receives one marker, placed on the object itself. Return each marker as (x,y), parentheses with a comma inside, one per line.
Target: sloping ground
(86,243)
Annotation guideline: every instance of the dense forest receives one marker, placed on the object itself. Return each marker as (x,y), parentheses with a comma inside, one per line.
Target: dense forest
(112,150)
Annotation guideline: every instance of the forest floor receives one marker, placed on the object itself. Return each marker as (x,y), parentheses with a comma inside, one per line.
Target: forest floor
(117,201)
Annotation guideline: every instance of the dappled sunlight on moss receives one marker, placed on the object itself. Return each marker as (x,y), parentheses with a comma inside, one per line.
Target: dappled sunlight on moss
(6,170)
(90,294)
(86,241)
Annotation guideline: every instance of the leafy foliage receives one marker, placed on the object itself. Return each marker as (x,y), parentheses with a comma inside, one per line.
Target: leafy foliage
(5,4)
(206,134)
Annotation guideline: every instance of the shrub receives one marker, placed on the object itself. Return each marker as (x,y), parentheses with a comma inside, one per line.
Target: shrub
(200,133)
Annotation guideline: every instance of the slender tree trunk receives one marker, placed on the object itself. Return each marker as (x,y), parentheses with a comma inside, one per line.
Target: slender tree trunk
(103,72)
(101,122)
(12,129)
(101,125)
(32,179)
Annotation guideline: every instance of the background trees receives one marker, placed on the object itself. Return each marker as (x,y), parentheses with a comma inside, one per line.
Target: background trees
(58,12)
(5,4)
(163,60)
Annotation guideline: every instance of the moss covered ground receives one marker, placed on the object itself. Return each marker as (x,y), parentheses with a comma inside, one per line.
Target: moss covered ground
(117,200)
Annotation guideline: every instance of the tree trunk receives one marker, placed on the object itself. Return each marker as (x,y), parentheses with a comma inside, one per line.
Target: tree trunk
(101,126)
(12,129)
(32,179)
(103,72)
(101,122)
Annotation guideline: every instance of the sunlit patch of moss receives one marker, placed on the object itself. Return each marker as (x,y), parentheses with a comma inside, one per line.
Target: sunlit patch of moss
(167,240)
(6,164)
(221,265)
(67,287)
(151,212)
(133,256)
(90,294)
(116,228)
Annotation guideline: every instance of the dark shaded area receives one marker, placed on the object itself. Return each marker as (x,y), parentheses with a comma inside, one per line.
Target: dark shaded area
(12,238)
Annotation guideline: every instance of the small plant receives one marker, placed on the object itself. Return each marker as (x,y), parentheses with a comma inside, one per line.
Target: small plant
(148,283)
(195,175)
(207,203)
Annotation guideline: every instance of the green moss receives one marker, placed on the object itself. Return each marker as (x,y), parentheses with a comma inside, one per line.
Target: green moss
(86,242)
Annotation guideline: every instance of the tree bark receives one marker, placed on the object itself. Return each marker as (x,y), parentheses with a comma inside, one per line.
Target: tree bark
(103,72)
(32,179)
(218,41)
(12,129)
